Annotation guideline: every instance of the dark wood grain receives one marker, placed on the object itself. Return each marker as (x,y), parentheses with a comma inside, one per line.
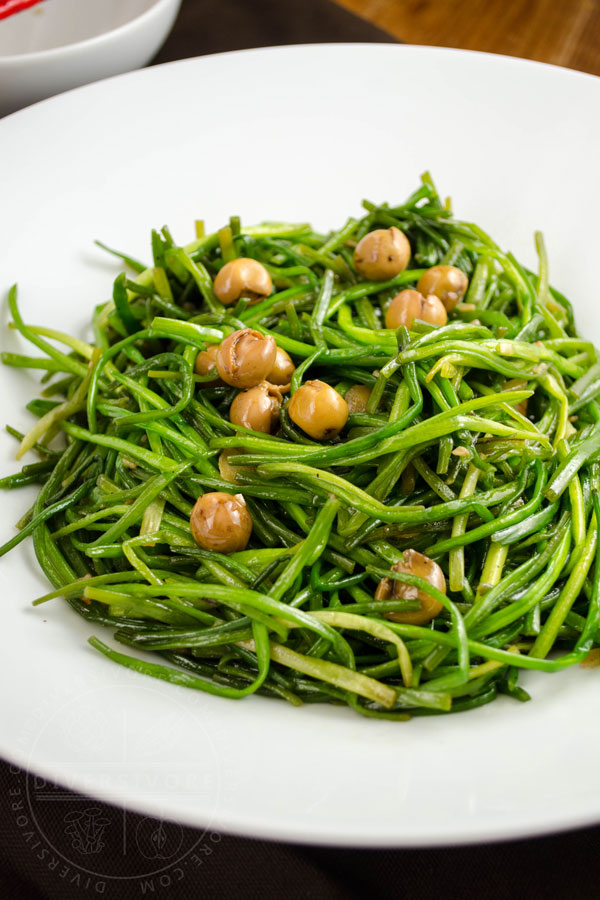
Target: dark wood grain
(563,32)
(214,26)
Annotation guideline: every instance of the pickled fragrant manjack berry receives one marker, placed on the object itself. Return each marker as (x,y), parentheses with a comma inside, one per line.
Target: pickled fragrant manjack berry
(221,522)
(283,368)
(242,278)
(245,358)
(410,305)
(206,364)
(319,410)
(413,563)
(382,254)
(446,282)
(257,408)
(357,398)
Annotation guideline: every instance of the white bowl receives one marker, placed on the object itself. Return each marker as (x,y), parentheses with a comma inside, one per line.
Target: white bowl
(61,44)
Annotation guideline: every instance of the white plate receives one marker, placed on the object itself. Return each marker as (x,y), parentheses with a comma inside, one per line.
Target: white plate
(300,133)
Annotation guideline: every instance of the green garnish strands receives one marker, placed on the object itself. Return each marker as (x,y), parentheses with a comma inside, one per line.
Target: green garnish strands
(359,467)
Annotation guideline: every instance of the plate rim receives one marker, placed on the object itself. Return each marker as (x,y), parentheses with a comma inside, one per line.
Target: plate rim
(281,831)
(385,46)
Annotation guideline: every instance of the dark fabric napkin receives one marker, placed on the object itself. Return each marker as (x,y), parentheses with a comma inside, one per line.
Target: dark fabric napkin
(59,845)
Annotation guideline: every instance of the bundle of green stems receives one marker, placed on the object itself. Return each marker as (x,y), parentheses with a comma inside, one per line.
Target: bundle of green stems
(478,447)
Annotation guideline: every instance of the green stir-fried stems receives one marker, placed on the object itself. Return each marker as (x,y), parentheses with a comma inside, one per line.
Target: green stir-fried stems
(478,445)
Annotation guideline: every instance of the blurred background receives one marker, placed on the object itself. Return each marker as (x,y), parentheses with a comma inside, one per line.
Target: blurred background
(562,32)
(48,46)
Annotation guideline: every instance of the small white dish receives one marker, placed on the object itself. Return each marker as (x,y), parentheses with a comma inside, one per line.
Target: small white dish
(60,44)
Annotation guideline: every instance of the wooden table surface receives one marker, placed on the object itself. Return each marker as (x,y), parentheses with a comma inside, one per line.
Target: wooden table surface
(563,32)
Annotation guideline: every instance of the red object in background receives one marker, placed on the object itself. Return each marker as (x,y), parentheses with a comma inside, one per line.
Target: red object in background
(10,7)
